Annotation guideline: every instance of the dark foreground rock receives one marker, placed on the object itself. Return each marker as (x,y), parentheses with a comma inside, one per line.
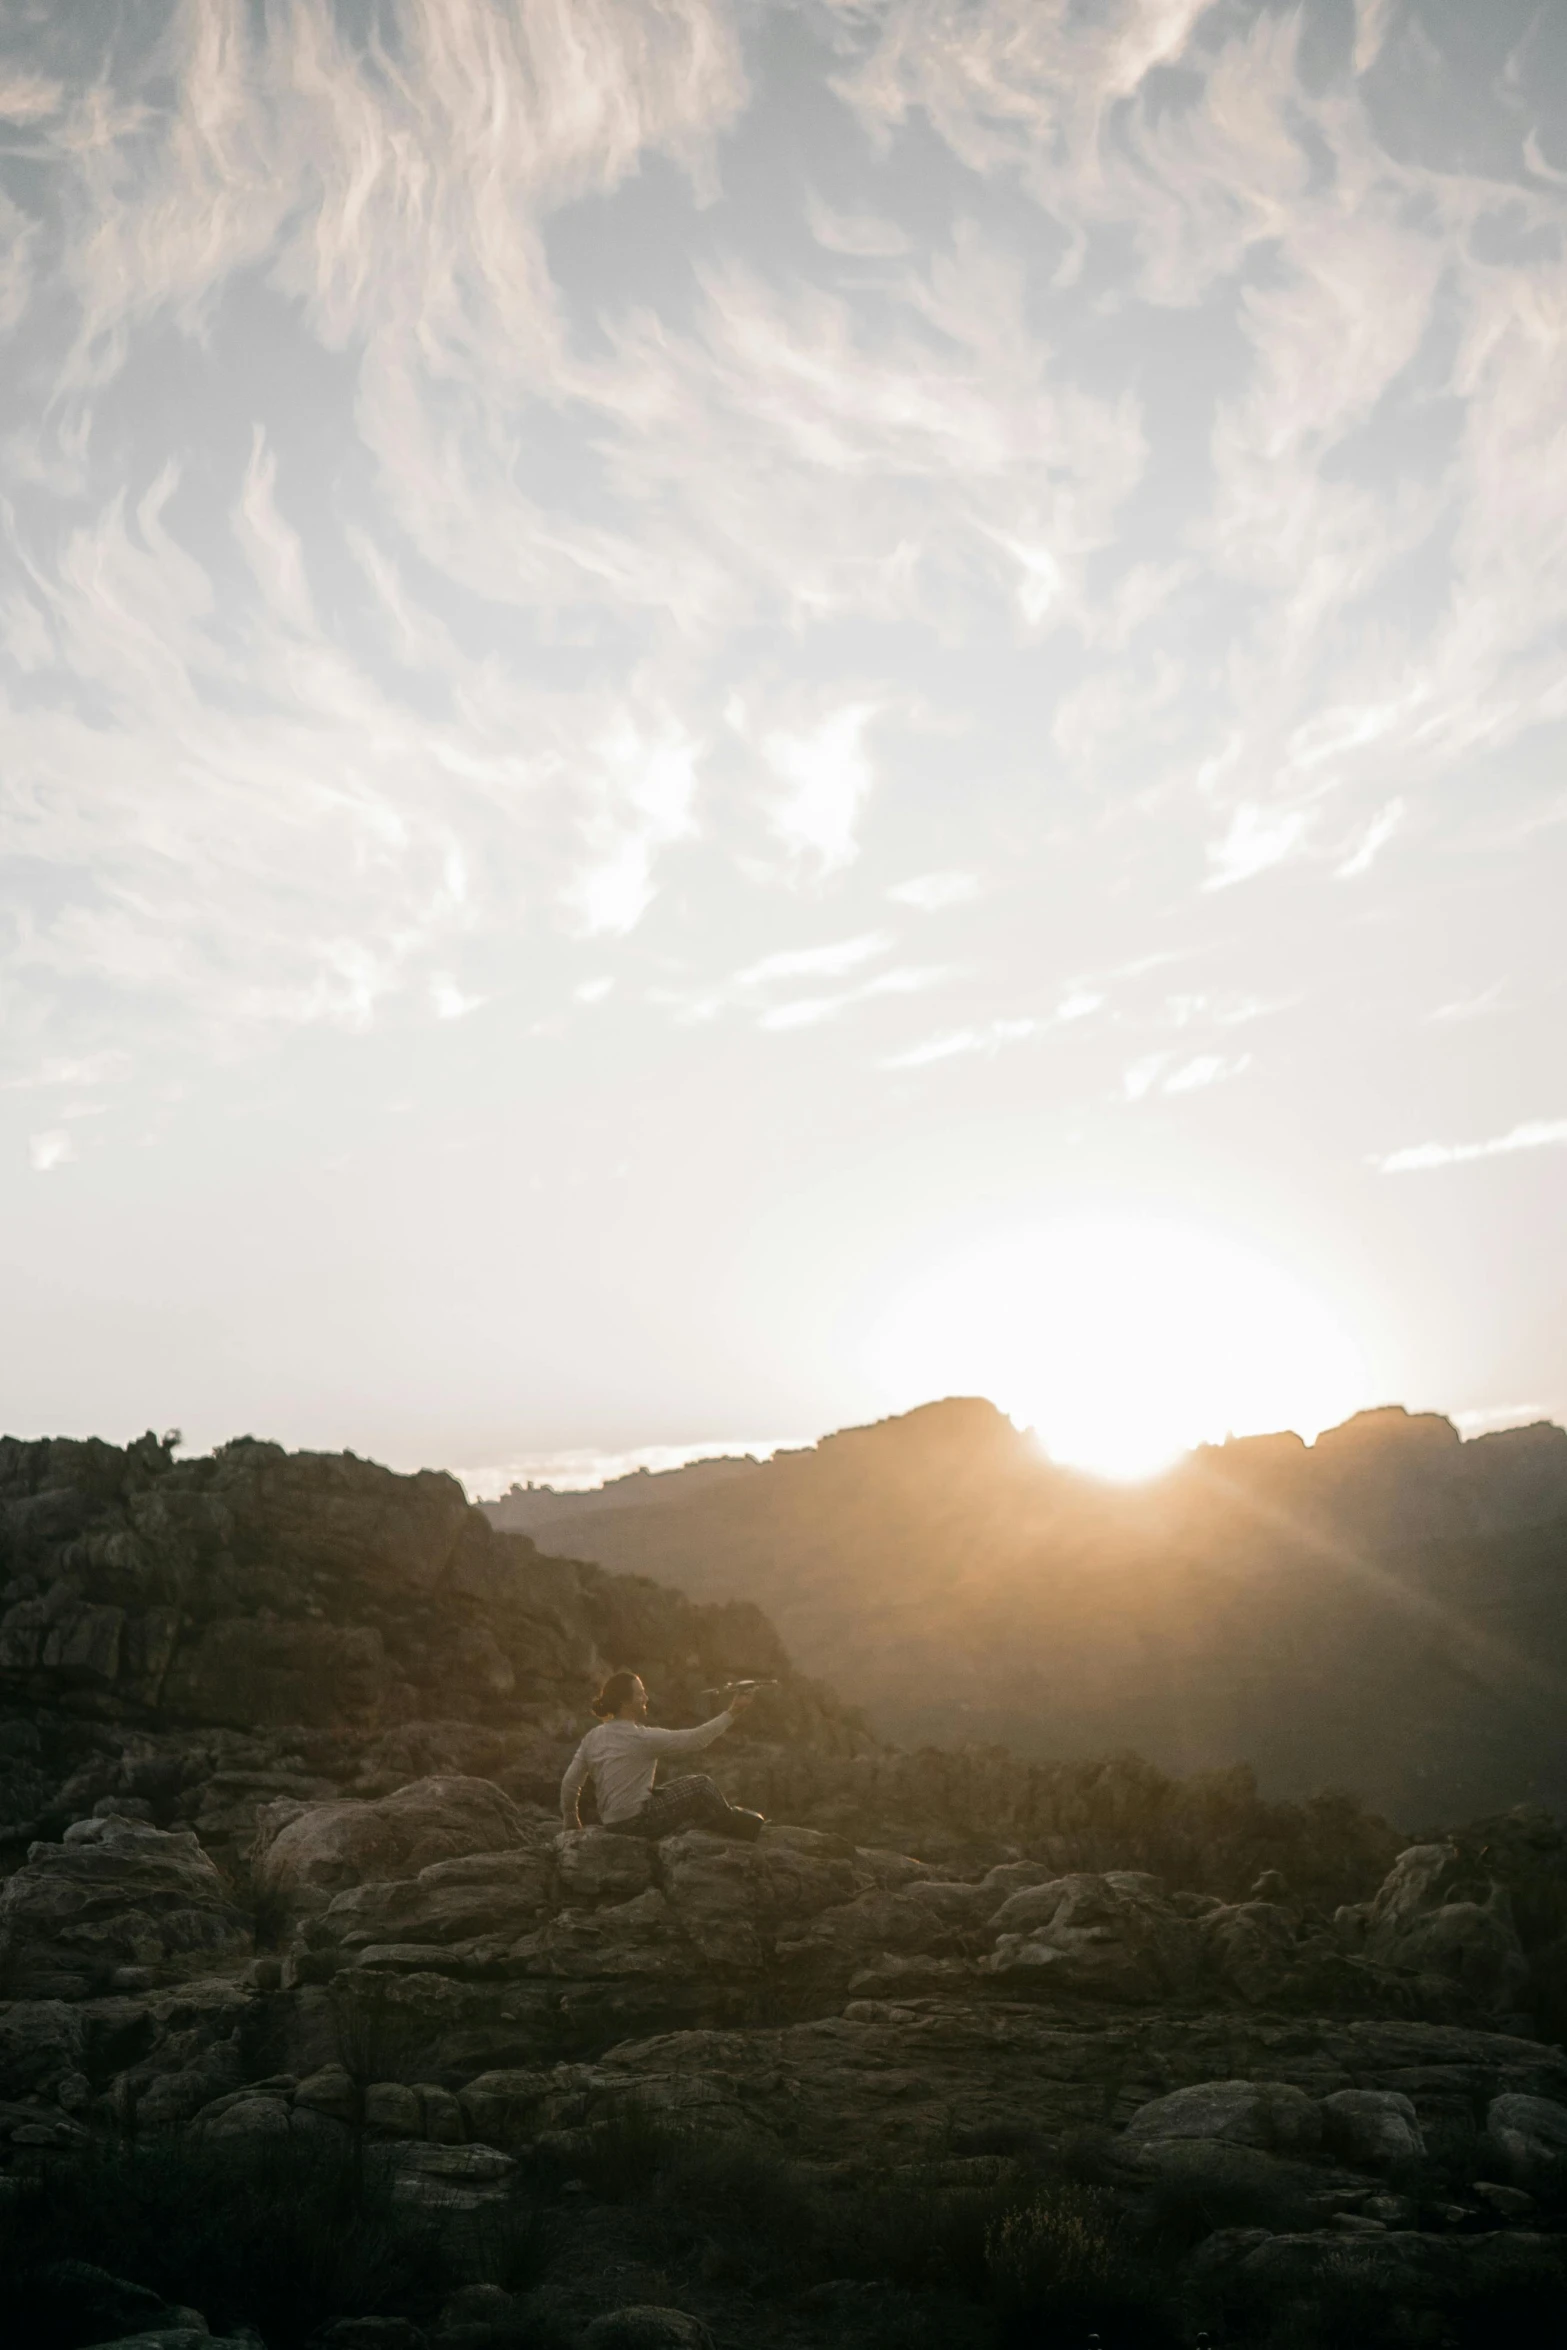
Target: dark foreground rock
(647,2328)
(906,2079)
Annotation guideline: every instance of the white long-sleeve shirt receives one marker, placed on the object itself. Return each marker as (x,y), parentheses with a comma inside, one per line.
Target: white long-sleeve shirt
(620,1758)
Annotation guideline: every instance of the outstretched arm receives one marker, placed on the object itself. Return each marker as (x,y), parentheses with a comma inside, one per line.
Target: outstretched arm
(685,1741)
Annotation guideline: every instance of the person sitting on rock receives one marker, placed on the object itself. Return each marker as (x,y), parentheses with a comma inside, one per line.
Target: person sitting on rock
(621,1755)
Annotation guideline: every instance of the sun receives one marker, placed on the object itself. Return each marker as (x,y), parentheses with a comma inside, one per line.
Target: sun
(1122,1343)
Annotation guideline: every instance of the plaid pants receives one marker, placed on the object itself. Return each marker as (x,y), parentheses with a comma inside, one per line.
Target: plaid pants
(689,1803)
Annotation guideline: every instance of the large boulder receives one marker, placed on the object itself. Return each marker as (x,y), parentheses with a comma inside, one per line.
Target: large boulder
(714,1887)
(1528,2137)
(619,1938)
(484,1893)
(1274,2115)
(598,1865)
(450,2180)
(117,1905)
(925,1917)
(1373,2128)
(503,2108)
(1436,1915)
(246,2118)
(305,1855)
(166,2054)
(1251,1948)
(799,1875)
(1108,1937)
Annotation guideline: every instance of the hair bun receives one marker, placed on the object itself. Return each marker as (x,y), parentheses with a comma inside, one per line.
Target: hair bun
(614,1693)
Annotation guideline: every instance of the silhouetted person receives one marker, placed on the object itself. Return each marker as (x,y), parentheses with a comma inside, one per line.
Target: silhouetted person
(621,1755)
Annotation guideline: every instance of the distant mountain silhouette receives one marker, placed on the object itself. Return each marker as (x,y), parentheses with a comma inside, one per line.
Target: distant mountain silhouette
(1385,1609)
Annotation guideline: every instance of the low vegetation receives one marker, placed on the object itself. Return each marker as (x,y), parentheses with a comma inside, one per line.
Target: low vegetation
(279,2237)
(1005,2252)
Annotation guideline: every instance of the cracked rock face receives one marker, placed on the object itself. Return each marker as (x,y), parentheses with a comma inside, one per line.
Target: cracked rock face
(1112,1934)
(306,1854)
(786,1919)
(258,1588)
(1271,2114)
(116,1906)
(1529,2136)
(499,1894)
(1437,1914)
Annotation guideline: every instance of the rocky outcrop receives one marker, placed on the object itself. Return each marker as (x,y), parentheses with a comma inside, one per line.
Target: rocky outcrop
(1429,1917)
(360,1936)
(304,1854)
(1373,2128)
(1274,2115)
(116,1906)
(1374,2272)
(1528,2136)
(532,1946)
(642,1934)
(260,1587)
(1485,1909)
(1112,1935)
(480,1896)
(893,2080)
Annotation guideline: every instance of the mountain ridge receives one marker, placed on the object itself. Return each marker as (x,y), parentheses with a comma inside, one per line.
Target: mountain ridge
(1385,1608)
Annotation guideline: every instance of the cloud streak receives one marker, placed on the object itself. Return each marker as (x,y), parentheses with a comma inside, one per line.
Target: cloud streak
(1533,1135)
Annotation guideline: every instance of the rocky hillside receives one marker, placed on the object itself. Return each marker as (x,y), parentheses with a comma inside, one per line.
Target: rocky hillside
(1385,1609)
(315,2030)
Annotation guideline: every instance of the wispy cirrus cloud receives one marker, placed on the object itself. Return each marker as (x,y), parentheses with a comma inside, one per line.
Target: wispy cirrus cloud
(956,1043)
(1533,1135)
(1167,1073)
(754,987)
(1204,1069)
(404,216)
(988,1037)
(399,212)
(831,961)
(815,1011)
(1257,839)
(1372,841)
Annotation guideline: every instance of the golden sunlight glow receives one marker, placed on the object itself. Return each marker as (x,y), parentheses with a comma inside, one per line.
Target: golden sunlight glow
(1123,1343)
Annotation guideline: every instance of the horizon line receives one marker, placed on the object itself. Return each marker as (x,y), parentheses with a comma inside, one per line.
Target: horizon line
(572,1470)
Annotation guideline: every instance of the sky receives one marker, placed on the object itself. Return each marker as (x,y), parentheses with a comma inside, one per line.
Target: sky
(713,716)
